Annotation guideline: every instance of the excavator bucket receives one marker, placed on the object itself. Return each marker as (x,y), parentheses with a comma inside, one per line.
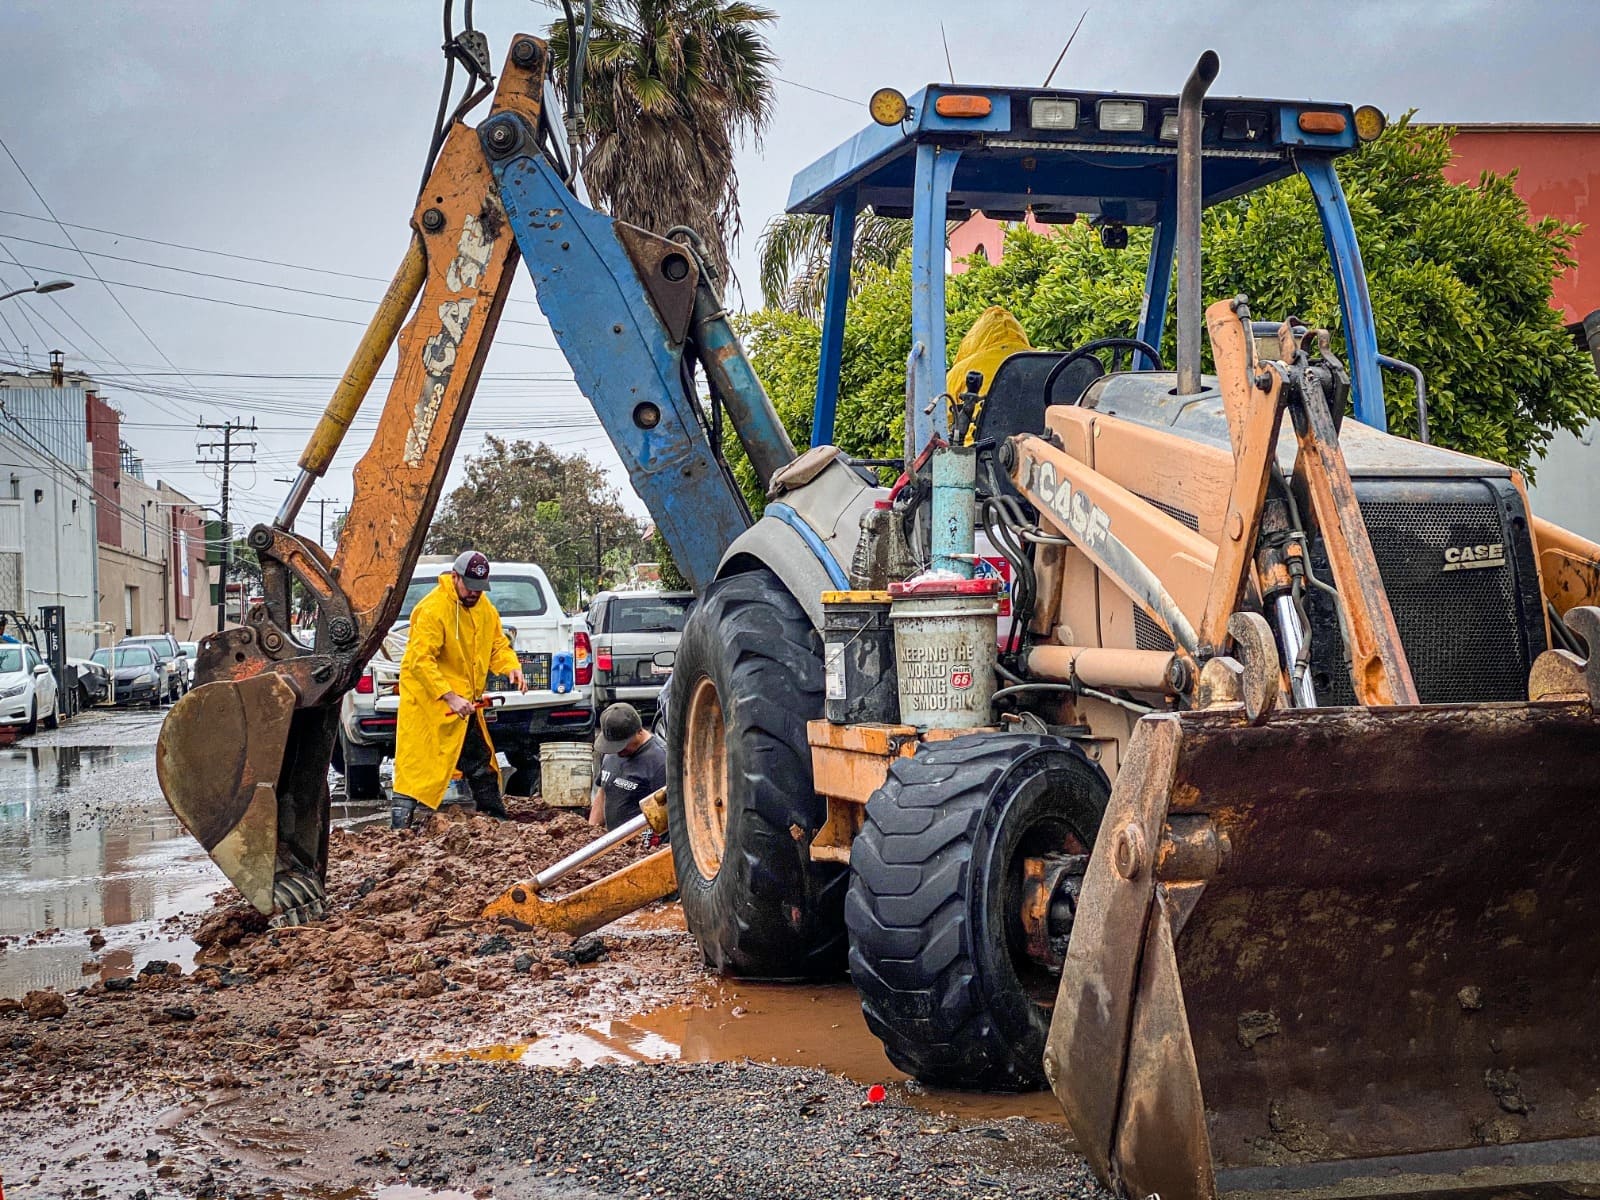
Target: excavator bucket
(1342,951)
(246,773)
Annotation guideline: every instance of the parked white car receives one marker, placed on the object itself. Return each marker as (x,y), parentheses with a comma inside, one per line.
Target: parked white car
(27,689)
(519,722)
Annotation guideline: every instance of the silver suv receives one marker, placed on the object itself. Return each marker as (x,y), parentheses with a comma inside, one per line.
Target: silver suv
(630,630)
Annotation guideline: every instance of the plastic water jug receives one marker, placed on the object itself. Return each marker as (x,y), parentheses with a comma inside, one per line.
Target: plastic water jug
(561,673)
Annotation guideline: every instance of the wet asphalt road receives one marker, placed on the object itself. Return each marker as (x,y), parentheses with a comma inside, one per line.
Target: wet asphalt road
(88,843)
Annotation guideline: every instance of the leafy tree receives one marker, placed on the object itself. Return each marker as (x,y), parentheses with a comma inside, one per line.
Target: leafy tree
(1460,282)
(672,579)
(671,88)
(524,502)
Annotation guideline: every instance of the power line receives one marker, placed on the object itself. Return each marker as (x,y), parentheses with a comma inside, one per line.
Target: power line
(806,87)
(77,349)
(277,287)
(283,312)
(134,237)
(134,321)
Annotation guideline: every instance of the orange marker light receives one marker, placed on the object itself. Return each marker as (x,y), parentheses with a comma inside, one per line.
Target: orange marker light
(963,106)
(1322,122)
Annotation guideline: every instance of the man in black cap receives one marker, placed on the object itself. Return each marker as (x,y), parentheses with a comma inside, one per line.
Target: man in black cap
(634,766)
(454,642)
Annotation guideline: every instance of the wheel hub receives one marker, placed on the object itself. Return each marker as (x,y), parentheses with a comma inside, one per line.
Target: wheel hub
(1051,884)
(705,778)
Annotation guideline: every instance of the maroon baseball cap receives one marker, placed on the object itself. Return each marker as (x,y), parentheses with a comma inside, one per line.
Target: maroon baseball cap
(473,569)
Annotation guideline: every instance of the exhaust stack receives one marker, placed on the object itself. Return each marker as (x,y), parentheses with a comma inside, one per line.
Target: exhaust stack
(1189,202)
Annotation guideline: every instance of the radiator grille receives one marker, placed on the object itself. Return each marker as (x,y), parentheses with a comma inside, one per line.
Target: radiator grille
(1463,630)
(1147,635)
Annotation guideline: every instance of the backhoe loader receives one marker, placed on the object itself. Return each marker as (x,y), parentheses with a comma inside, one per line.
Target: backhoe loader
(1259,833)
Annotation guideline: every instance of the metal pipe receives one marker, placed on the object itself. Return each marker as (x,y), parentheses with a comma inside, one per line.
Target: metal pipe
(295,500)
(1190,116)
(1133,670)
(384,327)
(728,371)
(955,473)
(592,851)
(1397,364)
(1305,695)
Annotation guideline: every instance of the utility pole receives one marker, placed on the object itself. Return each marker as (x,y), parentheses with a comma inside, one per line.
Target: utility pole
(229,430)
(597,554)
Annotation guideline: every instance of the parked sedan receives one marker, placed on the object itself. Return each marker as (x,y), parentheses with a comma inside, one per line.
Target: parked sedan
(174,664)
(27,689)
(137,675)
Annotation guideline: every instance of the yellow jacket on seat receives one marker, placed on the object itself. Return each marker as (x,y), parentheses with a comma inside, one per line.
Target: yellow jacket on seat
(449,648)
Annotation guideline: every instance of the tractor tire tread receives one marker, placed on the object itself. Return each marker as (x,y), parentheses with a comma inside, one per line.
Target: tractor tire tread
(912,952)
(775,914)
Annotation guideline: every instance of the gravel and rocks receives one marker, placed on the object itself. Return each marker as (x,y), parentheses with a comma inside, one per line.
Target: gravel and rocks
(325,1060)
(728,1131)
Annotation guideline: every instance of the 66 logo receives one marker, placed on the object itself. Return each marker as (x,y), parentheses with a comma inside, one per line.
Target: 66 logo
(961,680)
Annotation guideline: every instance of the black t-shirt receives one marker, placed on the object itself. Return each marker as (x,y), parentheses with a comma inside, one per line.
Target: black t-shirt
(627,781)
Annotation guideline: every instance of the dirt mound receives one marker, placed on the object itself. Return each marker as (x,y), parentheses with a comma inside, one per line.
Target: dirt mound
(393,894)
(403,958)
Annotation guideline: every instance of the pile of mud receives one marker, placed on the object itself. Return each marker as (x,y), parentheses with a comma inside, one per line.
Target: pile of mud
(403,960)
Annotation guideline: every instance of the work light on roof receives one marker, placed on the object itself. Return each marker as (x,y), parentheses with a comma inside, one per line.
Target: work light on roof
(1120,116)
(888,107)
(1370,122)
(1045,112)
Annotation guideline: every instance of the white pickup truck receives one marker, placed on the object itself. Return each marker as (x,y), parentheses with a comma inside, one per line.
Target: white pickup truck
(519,722)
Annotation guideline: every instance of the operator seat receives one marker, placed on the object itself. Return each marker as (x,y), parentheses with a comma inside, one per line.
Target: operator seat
(1015,402)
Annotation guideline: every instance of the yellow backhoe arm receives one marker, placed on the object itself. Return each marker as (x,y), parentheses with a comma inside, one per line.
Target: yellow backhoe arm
(243,758)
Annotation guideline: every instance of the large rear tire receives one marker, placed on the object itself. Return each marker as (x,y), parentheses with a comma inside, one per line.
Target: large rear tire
(740,804)
(937,948)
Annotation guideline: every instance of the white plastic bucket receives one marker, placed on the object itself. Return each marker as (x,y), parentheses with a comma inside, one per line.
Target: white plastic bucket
(565,774)
(944,650)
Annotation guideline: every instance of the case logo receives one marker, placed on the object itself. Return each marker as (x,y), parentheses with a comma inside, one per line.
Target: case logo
(1472,558)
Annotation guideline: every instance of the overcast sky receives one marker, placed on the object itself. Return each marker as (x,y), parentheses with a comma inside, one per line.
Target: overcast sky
(292,131)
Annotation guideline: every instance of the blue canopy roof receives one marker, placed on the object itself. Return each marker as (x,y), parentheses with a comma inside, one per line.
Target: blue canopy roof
(1104,158)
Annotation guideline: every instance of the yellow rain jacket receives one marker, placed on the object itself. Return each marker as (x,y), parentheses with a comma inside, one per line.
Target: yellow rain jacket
(994,337)
(449,648)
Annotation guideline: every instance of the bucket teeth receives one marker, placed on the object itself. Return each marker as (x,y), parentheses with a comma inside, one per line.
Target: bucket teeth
(297,899)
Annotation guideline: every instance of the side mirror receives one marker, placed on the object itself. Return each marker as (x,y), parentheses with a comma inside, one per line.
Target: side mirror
(665,658)
(41,669)
(182,653)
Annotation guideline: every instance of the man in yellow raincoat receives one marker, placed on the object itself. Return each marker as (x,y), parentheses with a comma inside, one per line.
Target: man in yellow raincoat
(455,642)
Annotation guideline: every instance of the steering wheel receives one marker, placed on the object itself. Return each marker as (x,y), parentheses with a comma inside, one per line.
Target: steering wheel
(1094,347)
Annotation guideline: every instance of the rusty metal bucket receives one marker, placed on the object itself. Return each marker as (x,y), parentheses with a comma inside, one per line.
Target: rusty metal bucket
(246,771)
(1342,952)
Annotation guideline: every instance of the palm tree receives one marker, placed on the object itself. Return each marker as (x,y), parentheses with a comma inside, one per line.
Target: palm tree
(794,257)
(671,88)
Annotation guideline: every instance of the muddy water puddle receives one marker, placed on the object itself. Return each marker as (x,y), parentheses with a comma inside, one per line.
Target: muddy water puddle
(791,1025)
(87,843)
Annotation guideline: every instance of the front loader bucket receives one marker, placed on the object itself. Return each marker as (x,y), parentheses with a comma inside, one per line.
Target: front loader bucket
(1342,952)
(246,773)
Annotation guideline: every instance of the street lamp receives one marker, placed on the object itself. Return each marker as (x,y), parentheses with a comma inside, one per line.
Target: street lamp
(43,289)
